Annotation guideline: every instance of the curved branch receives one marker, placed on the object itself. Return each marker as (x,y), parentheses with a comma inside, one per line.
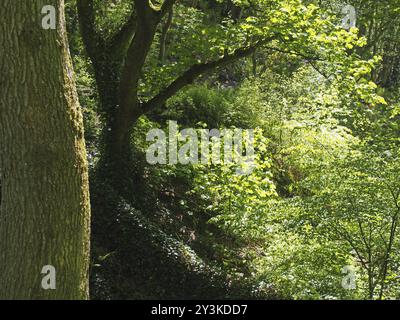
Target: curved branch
(197,70)
(147,22)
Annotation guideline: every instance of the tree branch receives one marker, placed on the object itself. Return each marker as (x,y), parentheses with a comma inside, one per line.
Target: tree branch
(147,22)
(167,6)
(143,6)
(119,44)
(164,34)
(307,57)
(197,70)
(91,38)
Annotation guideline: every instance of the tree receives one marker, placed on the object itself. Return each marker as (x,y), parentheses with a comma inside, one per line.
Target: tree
(45,210)
(118,64)
(119,61)
(132,81)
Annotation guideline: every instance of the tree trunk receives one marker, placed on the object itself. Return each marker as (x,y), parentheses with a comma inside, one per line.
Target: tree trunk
(45,211)
(116,157)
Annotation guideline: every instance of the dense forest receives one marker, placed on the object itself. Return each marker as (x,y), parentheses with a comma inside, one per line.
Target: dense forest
(244,149)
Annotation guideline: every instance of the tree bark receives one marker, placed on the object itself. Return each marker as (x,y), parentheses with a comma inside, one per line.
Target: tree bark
(164,35)
(45,211)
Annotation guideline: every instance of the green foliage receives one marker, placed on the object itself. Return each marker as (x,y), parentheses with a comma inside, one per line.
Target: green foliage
(201,103)
(239,199)
(324,190)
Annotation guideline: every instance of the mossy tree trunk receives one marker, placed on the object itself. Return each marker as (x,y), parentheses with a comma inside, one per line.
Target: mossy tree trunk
(45,211)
